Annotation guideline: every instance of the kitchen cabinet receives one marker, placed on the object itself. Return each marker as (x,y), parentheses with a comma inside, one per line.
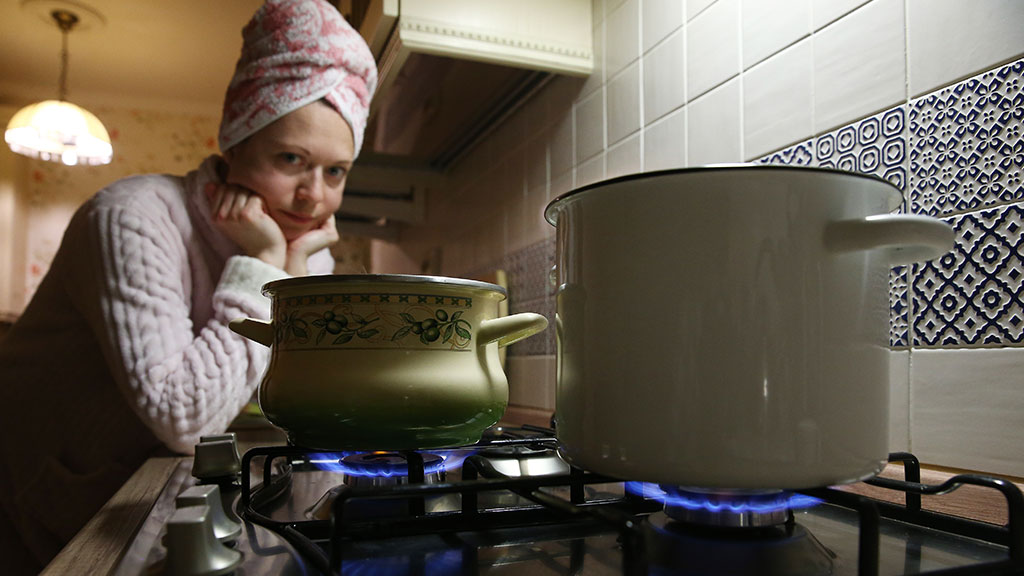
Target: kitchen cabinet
(451,70)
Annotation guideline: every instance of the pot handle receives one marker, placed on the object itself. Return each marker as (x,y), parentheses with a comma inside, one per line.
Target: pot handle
(509,329)
(255,330)
(905,237)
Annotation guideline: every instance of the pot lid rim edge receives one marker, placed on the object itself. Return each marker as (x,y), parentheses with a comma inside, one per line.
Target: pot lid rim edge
(550,210)
(315,279)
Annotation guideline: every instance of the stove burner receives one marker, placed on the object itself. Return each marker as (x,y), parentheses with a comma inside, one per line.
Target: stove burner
(379,469)
(387,469)
(724,508)
(681,549)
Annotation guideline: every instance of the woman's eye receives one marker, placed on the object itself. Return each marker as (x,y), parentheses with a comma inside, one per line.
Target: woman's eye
(336,172)
(290,158)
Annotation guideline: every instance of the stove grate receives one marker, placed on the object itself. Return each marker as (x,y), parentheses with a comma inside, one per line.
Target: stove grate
(619,514)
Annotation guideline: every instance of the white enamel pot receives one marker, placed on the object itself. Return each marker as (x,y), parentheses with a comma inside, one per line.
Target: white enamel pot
(726,327)
(385,361)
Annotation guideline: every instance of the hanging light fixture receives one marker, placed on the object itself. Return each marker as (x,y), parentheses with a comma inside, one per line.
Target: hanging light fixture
(57,130)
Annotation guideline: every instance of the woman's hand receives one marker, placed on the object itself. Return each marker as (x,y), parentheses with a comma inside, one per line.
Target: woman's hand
(301,248)
(241,215)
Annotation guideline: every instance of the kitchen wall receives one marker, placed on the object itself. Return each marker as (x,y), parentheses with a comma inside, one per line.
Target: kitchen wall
(926,93)
(37,199)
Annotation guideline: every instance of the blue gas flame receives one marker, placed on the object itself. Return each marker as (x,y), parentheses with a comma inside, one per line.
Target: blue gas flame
(334,462)
(717,502)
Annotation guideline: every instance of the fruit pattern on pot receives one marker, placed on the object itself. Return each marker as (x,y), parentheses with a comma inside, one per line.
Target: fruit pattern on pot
(377,326)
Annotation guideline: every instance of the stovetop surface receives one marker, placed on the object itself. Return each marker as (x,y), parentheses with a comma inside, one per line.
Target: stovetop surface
(384,540)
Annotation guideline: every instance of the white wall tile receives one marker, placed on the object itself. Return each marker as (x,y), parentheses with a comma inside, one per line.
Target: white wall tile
(590,171)
(590,126)
(597,76)
(712,47)
(597,10)
(560,144)
(771,25)
(522,212)
(536,162)
(660,18)
(624,103)
(490,240)
(825,12)
(859,65)
(531,381)
(611,5)
(966,407)
(899,401)
(535,228)
(951,39)
(514,208)
(623,158)
(560,184)
(778,101)
(695,7)
(453,257)
(665,77)
(665,142)
(622,37)
(713,127)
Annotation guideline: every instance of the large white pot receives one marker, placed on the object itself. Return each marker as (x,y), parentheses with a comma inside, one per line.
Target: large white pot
(726,327)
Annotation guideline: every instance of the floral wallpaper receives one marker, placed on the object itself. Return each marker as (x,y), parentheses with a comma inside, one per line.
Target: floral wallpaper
(144,142)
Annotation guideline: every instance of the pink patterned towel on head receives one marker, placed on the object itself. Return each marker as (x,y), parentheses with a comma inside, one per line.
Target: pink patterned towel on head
(295,52)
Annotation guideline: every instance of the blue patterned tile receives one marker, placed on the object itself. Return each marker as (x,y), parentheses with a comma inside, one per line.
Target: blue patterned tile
(967,147)
(974,296)
(527,275)
(801,154)
(540,344)
(875,145)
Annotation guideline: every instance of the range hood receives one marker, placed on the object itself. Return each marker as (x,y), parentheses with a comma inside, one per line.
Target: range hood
(451,70)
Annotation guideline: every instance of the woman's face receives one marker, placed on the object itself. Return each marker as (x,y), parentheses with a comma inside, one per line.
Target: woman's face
(298,165)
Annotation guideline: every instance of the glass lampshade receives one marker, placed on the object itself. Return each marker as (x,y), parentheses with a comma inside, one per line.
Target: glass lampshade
(59,131)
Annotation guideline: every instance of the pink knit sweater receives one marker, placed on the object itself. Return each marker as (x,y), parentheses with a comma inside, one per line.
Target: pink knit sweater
(124,348)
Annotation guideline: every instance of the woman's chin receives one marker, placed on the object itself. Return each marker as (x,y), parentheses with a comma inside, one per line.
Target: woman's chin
(291,235)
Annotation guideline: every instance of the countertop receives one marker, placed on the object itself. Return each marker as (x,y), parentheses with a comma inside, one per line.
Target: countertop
(101,544)
(103,541)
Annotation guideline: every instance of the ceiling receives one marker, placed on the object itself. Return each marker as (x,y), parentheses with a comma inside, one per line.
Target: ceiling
(163,53)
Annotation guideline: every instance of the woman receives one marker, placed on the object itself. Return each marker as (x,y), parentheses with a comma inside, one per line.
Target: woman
(125,348)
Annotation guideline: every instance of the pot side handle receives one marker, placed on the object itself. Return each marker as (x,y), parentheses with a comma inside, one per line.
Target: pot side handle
(905,237)
(255,330)
(509,329)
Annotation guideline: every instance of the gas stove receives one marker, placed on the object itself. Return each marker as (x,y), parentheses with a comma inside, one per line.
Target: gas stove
(510,504)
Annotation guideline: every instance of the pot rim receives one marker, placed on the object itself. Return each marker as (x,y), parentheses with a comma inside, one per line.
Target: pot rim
(333,279)
(551,211)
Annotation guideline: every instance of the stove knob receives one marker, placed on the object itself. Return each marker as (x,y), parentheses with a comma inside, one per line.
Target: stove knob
(216,458)
(192,549)
(224,528)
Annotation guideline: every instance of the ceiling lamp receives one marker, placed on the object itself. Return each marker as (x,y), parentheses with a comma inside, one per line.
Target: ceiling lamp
(57,130)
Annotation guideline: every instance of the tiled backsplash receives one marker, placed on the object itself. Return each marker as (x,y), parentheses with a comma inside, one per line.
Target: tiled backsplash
(957,154)
(966,153)
(924,93)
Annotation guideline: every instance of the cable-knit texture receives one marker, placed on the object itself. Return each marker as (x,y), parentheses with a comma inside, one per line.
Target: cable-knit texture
(125,347)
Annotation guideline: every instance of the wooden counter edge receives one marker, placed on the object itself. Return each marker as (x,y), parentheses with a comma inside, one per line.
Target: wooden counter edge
(973,502)
(99,546)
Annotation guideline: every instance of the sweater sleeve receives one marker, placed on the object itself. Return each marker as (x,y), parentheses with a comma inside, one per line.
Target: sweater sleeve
(321,262)
(183,381)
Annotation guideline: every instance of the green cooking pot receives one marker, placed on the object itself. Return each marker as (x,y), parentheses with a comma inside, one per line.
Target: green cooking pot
(385,361)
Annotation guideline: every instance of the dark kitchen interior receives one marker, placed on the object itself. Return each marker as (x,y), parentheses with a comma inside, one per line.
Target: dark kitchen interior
(481,122)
